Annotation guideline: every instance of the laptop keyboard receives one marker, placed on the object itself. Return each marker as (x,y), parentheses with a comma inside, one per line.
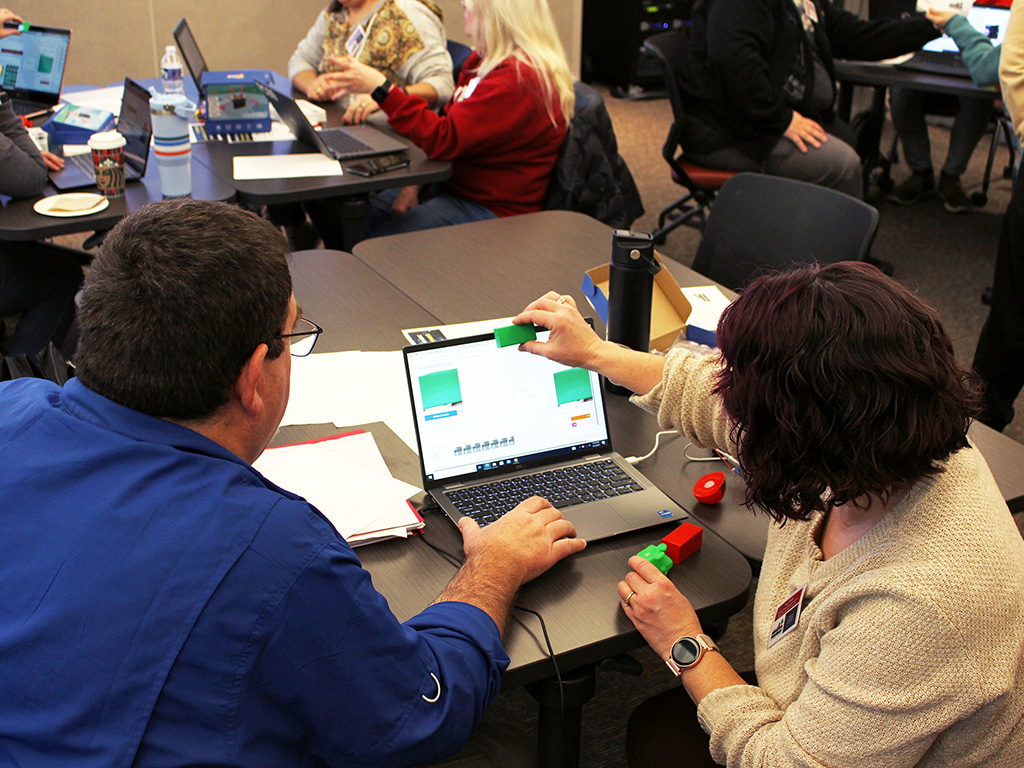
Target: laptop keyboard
(344,143)
(563,487)
(83,163)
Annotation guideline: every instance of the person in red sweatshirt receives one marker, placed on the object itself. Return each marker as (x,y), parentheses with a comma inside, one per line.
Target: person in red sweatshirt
(502,130)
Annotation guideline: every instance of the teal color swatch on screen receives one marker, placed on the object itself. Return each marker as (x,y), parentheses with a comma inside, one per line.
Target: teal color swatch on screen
(573,385)
(440,388)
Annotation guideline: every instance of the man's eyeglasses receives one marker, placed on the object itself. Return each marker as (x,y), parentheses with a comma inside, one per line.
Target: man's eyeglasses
(303,338)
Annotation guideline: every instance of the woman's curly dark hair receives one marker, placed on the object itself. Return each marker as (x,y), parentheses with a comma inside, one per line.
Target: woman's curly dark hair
(841,383)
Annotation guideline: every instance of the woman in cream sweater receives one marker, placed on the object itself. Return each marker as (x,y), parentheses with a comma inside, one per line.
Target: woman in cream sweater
(889,612)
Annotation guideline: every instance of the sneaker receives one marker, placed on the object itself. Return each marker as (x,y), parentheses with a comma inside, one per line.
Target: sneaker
(952,194)
(917,185)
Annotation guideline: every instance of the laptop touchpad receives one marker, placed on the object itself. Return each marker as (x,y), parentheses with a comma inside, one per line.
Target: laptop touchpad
(598,520)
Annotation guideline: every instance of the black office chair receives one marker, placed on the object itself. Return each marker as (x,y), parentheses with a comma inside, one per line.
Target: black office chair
(762,223)
(459,53)
(701,183)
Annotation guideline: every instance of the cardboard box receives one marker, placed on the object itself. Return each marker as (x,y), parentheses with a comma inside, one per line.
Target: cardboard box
(669,308)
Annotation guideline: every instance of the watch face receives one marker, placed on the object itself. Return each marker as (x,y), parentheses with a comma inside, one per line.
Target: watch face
(686,651)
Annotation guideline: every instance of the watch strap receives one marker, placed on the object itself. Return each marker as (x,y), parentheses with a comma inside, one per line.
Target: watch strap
(381,92)
(704,644)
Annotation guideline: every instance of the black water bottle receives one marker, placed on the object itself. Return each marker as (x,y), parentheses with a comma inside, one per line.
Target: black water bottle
(630,285)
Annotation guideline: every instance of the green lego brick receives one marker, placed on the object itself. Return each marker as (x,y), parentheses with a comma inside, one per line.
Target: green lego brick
(514,334)
(656,555)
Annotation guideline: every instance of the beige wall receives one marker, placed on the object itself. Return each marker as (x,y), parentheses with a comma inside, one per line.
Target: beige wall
(114,38)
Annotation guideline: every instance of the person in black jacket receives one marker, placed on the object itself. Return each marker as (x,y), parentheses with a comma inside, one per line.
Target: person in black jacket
(37,280)
(760,85)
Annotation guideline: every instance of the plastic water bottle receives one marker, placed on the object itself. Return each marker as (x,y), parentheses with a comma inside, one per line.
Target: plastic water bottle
(170,69)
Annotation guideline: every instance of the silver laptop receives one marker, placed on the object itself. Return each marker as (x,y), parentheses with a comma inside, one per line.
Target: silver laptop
(135,123)
(941,56)
(338,143)
(32,68)
(495,426)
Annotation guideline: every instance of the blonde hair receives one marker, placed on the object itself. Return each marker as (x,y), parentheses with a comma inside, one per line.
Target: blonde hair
(524,29)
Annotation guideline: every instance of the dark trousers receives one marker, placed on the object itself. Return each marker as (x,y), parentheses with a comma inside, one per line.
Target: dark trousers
(663,732)
(999,358)
(39,281)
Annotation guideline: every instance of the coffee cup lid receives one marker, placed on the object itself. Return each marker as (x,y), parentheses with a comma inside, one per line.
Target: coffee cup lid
(106,140)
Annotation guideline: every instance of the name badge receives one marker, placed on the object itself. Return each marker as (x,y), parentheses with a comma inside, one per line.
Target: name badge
(355,41)
(787,616)
(467,90)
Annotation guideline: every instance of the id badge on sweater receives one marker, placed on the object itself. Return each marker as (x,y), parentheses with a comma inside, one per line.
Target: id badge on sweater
(787,616)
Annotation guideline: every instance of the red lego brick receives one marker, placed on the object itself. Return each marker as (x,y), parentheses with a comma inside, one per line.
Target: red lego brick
(682,542)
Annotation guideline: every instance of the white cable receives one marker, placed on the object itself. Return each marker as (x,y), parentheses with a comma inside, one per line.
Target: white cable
(697,458)
(657,442)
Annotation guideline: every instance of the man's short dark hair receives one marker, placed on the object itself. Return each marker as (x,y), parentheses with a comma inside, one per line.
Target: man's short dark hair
(842,383)
(178,299)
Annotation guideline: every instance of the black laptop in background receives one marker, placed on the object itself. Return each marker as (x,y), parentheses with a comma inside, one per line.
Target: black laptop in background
(32,68)
(135,123)
(338,143)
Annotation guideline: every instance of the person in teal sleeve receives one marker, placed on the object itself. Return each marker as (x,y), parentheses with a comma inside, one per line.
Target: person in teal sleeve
(981,59)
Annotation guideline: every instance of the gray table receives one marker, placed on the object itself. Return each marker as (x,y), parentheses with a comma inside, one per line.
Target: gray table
(352,191)
(360,308)
(18,221)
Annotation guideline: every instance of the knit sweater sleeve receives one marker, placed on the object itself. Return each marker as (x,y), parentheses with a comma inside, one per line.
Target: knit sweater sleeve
(22,170)
(980,57)
(310,50)
(683,400)
(888,679)
(1011,66)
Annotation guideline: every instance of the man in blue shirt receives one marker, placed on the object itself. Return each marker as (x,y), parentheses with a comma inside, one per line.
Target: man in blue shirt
(162,603)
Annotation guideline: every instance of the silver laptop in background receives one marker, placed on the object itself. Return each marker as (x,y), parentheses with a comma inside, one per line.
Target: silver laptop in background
(493,421)
(337,143)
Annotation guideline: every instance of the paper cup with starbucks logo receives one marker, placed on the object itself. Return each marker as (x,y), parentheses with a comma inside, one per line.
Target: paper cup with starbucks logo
(108,159)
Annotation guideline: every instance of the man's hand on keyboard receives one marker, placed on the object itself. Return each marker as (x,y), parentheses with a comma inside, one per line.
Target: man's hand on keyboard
(508,553)
(528,540)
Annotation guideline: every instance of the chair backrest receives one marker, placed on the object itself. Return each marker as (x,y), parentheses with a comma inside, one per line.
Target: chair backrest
(459,53)
(667,48)
(762,223)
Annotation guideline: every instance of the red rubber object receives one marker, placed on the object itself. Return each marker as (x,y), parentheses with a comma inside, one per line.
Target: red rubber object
(710,489)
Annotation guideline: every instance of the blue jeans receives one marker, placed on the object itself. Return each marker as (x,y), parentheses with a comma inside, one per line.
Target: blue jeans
(969,125)
(436,209)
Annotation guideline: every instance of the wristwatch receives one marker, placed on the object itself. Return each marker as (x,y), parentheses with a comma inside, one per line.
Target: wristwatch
(381,92)
(688,651)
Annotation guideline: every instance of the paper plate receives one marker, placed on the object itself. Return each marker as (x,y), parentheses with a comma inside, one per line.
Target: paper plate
(71,204)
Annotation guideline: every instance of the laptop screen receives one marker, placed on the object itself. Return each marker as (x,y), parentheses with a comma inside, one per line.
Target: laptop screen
(32,63)
(190,52)
(135,124)
(988,20)
(480,407)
